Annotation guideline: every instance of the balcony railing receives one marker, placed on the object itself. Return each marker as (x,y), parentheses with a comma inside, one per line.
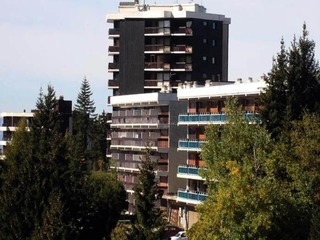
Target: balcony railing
(190,144)
(159,83)
(181,48)
(183,30)
(157,30)
(157,48)
(114,48)
(182,66)
(114,31)
(203,118)
(192,195)
(113,83)
(213,118)
(114,66)
(157,65)
(192,170)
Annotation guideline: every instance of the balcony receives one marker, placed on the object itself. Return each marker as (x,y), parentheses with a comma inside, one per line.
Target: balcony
(156,31)
(189,172)
(157,49)
(181,49)
(159,83)
(210,118)
(113,83)
(190,145)
(157,66)
(181,66)
(201,119)
(113,67)
(114,50)
(114,32)
(182,31)
(192,197)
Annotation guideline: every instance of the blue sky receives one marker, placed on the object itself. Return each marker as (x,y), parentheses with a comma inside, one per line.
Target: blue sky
(58,42)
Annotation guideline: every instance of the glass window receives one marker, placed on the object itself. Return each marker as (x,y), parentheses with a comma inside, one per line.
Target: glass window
(213,43)
(204,40)
(213,60)
(204,58)
(205,23)
(213,25)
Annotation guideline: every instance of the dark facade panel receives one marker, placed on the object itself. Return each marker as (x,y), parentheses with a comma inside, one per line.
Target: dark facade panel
(207,50)
(176,158)
(131,76)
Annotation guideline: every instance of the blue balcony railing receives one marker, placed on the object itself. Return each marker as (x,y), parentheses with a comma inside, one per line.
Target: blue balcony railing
(192,170)
(213,118)
(190,144)
(190,195)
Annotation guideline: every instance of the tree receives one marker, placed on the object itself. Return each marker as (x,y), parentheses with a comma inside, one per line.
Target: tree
(293,85)
(45,194)
(106,200)
(258,188)
(84,102)
(148,224)
(246,197)
(37,165)
(120,232)
(274,99)
(99,133)
(82,123)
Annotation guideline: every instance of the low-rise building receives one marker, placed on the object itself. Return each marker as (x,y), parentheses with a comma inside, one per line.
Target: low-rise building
(206,105)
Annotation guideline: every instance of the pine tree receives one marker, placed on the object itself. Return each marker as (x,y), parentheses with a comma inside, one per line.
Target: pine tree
(83,118)
(149,224)
(293,85)
(274,99)
(99,132)
(44,194)
(84,102)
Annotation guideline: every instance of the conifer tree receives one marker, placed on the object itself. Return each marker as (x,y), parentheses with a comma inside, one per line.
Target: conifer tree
(293,85)
(44,194)
(275,97)
(82,124)
(148,224)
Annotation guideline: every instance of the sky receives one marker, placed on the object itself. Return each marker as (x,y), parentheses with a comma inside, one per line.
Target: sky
(59,42)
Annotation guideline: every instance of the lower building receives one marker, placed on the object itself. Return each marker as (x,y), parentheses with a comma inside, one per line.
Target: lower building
(142,120)
(206,105)
(10,123)
(11,120)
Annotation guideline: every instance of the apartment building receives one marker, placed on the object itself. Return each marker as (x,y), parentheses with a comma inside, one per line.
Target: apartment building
(11,120)
(10,123)
(206,105)
(161,45)
(142,120)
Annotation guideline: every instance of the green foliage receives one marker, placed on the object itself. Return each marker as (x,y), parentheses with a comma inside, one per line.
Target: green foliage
(106,200)
(120,232)
(84,103)
(258,188)
(238,206)
(149,224)
(293,85)
(45,194)
(89,131)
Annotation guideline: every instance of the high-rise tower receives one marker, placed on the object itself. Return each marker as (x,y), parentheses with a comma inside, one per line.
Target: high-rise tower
(158,46)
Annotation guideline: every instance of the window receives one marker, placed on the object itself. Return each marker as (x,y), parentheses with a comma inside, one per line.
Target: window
(213,60)
(204,76)
(204,40)
(213,25)
(213,43)
(205,23)
(204,58)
